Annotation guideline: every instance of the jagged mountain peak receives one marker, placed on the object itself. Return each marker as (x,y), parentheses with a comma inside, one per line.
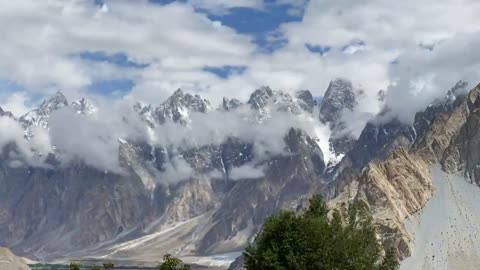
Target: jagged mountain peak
(39,116)
(5,113)
(179,106)
(178,92)
(259,98)
(84,106)
(146,112)
(306,100)
(230,104)
(195,102)
(56,101)
(340,95)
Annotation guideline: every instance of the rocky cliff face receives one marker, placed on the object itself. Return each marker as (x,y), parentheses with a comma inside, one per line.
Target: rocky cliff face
(339,98)
(402,184)
(393,189)
(179,106)
(76,210)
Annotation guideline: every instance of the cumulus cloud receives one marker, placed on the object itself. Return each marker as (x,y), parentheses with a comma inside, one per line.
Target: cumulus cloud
(50,34)
(22,152)
(416,50)
(176,170)
(420,77)
(17,103)
(217,126)
(94,138)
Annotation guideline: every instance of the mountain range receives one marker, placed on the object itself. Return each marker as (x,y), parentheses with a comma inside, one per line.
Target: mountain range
(207,188)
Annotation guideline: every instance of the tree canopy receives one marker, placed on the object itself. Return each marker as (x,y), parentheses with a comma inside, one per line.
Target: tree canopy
(344,239)
(171,263)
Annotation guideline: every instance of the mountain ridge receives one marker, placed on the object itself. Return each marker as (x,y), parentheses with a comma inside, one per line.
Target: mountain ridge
(225,189)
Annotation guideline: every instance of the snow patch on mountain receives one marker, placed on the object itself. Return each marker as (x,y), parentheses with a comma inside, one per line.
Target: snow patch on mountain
(39,117)
(84,106)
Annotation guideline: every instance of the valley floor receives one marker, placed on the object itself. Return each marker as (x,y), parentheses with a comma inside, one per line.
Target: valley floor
(447,230)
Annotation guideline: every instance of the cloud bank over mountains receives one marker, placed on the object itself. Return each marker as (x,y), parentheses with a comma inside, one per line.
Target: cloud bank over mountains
(143,50)
(60,132)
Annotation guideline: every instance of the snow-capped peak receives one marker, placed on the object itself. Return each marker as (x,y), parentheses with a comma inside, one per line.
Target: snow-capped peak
(305,100)
(5,113)
(146,112)
(179,106)
(84,106)
(264,100)
(230,104)
(339,96)
(260,97)
(39,117)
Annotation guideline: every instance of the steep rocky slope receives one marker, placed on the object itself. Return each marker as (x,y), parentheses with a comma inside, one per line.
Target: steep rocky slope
(445,232)
(77,210)
(402,184)
(394,189)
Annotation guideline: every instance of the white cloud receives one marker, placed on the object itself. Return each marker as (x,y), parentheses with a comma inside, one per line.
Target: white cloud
(175,170)
(24,152)
(385,32)
(17,103)
(41,38)
(246,172)
(421,77)
(94,138)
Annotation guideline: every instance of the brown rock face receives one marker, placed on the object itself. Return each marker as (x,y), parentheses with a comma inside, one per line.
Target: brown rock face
(401,185)
(396,189)
(446,127)
(462,154)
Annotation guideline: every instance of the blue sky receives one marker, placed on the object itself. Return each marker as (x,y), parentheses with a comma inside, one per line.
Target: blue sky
(146,49)
(259,23)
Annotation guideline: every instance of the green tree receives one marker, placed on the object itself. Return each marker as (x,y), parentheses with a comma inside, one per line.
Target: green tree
(96,267)
(74,266)
(108,266)
(390,261)
(344,239)
(172,263)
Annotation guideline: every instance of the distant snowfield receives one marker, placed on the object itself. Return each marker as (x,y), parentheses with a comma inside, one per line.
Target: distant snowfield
(446,231)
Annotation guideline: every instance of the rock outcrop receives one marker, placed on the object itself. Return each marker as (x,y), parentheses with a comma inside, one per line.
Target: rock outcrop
(393,189)
(8,261)
(402,184)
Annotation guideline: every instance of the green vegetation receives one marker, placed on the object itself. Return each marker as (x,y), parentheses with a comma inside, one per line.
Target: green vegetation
(106,266)
(84,267)
(171,263)
(344,239)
